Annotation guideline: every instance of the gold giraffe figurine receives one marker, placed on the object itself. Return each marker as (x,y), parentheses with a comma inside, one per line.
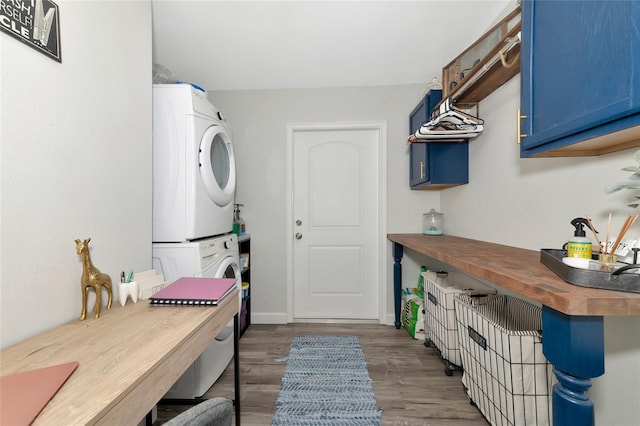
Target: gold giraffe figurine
(92,277)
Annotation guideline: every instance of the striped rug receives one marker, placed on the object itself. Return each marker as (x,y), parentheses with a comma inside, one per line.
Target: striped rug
(326,382)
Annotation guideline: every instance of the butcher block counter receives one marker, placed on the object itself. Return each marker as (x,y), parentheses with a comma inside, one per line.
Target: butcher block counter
(520,271)
(572,316)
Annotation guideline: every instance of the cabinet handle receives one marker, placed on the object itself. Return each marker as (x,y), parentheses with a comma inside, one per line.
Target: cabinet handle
(422,170)
(519,126)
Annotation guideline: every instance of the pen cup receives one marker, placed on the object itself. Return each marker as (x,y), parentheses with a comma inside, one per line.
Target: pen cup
(607,258)
(126,290)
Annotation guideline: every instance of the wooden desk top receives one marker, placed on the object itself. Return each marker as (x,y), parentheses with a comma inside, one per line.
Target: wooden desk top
(520,271)
(129,358)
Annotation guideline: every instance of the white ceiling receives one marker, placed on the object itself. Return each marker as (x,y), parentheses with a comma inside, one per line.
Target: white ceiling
(235,45)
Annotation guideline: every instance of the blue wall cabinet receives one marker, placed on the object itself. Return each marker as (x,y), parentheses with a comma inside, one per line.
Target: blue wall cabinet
(439,165)
(435,165)
(580,77)
(422,111)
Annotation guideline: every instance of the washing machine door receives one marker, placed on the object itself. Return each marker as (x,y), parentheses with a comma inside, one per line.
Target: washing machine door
(217,165)
(229,268)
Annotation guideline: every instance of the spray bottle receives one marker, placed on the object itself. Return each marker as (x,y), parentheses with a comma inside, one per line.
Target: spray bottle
(579,245)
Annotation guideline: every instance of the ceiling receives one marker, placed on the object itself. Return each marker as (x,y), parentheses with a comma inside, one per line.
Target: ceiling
(238,45)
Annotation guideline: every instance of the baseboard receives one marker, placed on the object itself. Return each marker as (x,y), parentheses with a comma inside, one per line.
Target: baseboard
(268,318)
(391,319)
(281,318)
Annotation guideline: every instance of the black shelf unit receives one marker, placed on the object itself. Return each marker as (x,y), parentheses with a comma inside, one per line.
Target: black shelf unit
(244,245)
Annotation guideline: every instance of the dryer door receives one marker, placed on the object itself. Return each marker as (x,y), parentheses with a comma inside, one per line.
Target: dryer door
(217,165)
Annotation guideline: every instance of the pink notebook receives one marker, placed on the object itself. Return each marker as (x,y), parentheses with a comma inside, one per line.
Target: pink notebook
(23,395)
(194,292)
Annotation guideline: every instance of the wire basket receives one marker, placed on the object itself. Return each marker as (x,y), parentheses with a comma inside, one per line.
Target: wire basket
(440,326)
(506,374)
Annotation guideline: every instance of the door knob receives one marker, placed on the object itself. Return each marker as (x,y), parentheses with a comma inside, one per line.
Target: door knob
(298,222)
(298,236)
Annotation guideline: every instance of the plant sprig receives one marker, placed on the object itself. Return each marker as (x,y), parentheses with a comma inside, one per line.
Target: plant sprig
(632,183)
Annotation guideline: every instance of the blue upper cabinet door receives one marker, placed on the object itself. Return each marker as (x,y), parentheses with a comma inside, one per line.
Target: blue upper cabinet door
(422,112)
(580,77)
(419,159)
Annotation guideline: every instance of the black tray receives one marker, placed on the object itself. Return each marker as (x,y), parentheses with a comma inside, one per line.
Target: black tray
(616,280)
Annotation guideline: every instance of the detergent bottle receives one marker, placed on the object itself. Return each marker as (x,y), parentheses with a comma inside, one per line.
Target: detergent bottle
(579,245)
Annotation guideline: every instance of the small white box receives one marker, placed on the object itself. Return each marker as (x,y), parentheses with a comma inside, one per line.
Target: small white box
(149,283)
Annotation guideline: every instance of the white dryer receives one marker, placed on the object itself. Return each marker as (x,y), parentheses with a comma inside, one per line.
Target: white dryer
(217,257)
(194,171)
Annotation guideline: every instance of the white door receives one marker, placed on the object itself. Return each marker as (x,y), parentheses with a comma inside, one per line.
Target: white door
(336,223)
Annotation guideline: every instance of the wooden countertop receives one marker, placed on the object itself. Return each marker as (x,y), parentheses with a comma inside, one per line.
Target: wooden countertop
(520,271)
(128,359)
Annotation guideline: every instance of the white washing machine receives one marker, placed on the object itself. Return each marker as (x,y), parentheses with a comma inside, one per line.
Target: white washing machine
(194,171)
(216,257)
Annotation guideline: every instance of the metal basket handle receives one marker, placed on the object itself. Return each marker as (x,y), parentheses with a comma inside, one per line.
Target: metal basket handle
(619,271)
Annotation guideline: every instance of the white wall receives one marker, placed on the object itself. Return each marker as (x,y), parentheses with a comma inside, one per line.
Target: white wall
(258,121)
(75,161)
(530,202)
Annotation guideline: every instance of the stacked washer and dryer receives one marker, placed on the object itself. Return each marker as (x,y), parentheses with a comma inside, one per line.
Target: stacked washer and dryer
(194,179)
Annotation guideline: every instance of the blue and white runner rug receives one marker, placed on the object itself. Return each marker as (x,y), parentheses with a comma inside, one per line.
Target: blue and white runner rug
(326,382)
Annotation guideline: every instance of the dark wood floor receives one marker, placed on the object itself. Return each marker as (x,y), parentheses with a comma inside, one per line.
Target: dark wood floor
(408,378)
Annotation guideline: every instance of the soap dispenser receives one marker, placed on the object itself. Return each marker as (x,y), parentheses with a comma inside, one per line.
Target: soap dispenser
(238,223)
(579,245)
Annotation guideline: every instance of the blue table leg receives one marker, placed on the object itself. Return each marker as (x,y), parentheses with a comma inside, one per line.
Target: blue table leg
(398,251)
(574,345)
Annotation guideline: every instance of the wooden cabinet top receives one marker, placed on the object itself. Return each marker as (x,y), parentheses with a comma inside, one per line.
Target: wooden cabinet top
(519,270)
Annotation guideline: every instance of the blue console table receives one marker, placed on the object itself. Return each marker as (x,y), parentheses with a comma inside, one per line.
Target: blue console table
(572,316)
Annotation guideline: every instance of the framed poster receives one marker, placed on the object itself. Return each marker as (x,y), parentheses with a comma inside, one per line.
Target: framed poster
(34,22)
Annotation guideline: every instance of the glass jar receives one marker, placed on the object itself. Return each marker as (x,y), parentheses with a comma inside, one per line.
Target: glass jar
(433,223)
